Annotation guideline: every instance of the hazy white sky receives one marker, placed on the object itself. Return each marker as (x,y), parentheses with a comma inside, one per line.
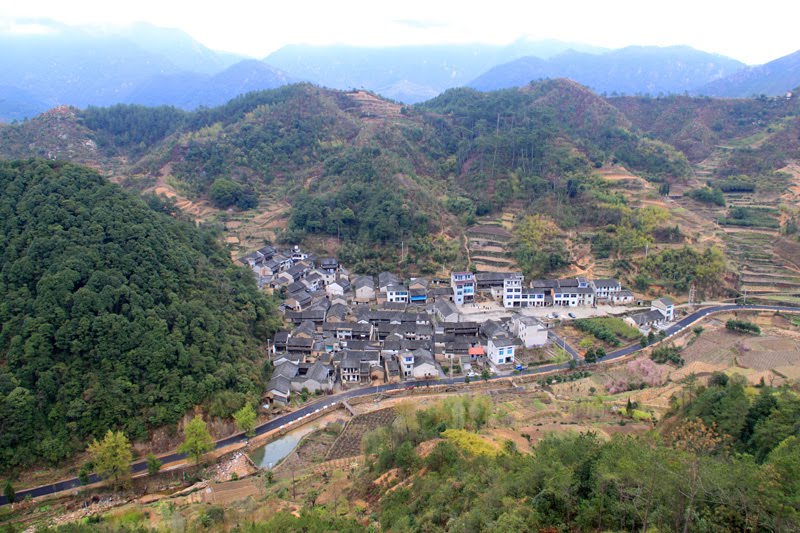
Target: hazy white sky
(756,33)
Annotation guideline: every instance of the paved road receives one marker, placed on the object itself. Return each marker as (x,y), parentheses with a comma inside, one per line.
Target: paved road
(141,466)
(559,341)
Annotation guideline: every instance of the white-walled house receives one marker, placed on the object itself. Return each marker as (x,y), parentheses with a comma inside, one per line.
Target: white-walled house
(396,294)
(406,360)
(666,307)
(529,330)
(500,350)
(424,365)
(605,289)
(623,297)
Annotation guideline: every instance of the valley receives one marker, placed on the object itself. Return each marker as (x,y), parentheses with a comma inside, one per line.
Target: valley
(311,195)
(329,473)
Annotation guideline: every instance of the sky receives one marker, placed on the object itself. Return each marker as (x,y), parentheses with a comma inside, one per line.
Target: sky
(752,32)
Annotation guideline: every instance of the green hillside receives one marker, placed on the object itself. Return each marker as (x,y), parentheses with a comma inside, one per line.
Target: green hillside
(696,126)
(113,315)
(351,173)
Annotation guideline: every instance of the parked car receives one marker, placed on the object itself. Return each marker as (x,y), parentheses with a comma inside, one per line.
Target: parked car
(518,367)
(571,315)
(555,315)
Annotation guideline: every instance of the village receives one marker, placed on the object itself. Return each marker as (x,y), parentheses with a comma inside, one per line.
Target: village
(356,330)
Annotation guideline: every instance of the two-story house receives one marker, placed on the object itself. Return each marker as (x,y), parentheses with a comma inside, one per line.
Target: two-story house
(397,294)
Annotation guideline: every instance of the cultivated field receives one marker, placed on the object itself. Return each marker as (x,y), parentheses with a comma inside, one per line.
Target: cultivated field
(349,442)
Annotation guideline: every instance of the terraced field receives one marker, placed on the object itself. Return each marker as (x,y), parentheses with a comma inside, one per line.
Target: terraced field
(488,246)
(764,260)
(349,442)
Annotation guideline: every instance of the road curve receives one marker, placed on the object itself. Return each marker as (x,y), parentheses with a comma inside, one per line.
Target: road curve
(141,466)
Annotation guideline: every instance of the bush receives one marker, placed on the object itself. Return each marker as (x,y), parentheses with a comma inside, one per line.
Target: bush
(743,326)
(153,464)
(667,354)
(707,195)
(225,193)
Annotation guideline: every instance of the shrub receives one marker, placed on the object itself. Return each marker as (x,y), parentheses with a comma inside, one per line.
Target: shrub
(707,195)
(667,354)
(743,326)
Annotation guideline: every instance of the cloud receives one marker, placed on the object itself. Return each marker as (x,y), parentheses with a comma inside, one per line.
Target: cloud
(20,27)
(419,24)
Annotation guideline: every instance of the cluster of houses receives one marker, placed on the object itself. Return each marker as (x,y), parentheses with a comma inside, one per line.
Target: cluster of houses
(355,329)
(570,292)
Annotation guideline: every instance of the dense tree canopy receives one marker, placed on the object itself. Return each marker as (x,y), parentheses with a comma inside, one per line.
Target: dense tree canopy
(689,479)
(113,316)
(681,267)
(133,128)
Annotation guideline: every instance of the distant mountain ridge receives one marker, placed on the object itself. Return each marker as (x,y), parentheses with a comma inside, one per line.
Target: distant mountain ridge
(144,64)
(189,90)
(630,70)
(410,74)
(771,79)
(77,66)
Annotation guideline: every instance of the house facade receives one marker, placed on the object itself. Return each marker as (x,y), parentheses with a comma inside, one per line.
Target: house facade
(529,330)
(666,307)
(365,289)
(463,285)
(397,294)
(500,350)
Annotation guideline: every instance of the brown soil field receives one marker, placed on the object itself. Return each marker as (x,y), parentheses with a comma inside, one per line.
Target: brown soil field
(349,442)
(311,451)
(604,431)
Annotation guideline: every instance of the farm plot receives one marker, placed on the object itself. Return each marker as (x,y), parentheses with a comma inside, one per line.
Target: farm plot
(349,442)
(312,450)
(712,348)
(768,360)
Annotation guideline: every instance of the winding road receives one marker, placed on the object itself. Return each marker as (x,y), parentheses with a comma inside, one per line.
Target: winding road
(276,423)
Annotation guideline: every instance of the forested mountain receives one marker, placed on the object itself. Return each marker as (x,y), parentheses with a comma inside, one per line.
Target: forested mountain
(113,315)
(775,78)
(696,126)
(631,70)
(19,104)
(77,67)
(370,172)
(179,48)
(372,176)
(55,64)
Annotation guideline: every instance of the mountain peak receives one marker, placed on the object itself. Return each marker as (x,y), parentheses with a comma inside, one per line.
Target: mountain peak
(772,79)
